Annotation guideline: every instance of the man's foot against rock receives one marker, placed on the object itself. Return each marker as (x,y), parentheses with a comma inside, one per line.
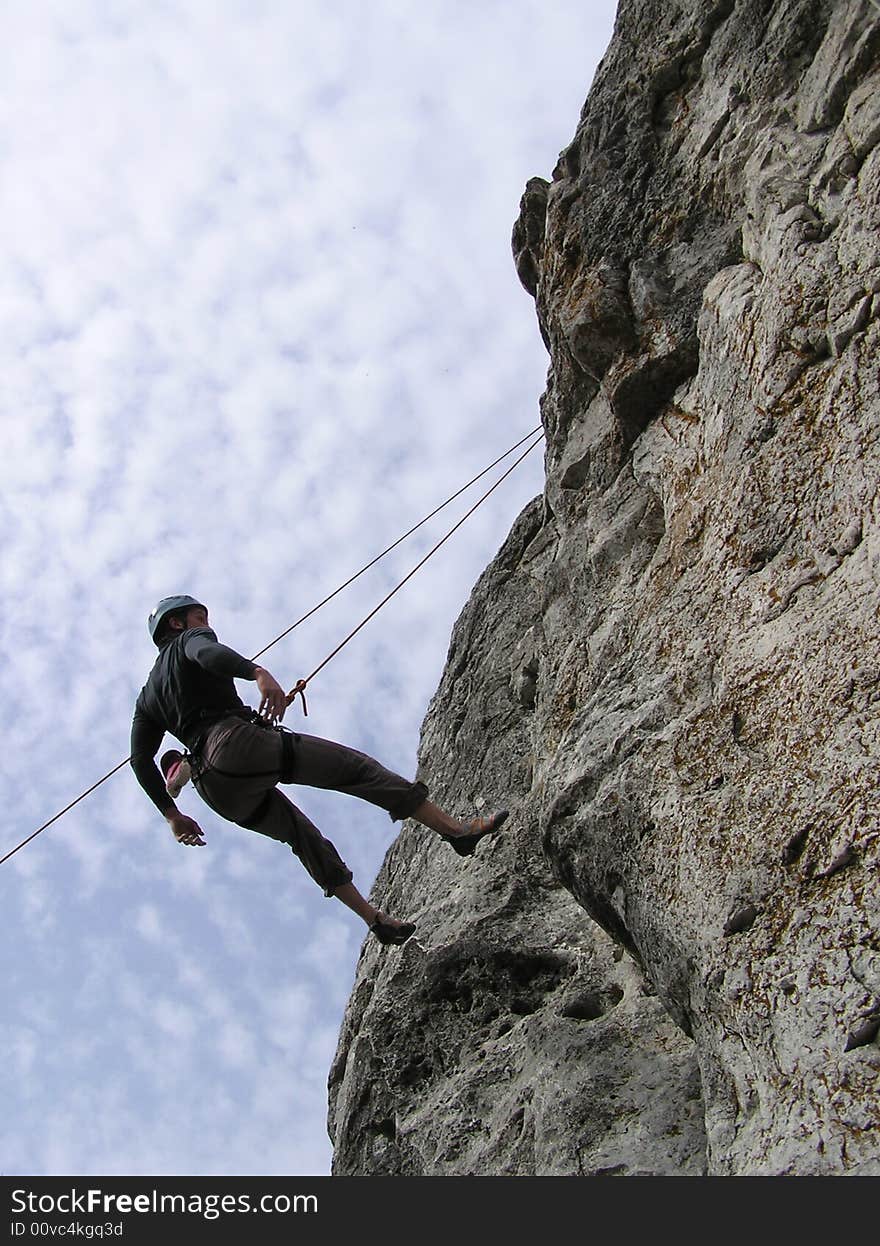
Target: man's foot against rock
(475,830)
(389,930)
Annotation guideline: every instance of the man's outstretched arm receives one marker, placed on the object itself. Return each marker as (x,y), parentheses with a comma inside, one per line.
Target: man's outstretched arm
(146,740)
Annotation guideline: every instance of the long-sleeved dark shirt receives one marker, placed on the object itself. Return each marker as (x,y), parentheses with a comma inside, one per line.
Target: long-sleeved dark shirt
(189,687)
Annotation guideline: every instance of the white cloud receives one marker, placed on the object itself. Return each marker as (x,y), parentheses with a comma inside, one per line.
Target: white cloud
(148,923)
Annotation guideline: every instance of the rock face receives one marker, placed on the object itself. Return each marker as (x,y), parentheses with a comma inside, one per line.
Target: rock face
(670,963)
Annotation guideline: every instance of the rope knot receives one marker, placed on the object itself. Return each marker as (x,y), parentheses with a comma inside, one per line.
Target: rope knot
(299,690)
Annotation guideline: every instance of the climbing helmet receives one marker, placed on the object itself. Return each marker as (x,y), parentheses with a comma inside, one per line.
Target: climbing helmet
(167,606)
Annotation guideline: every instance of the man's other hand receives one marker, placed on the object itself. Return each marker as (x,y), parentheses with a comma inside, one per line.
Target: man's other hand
(185,830)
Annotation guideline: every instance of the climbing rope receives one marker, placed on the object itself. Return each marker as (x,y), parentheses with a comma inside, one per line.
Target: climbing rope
(61,812)
(534,437)
(400,539)
(300,688)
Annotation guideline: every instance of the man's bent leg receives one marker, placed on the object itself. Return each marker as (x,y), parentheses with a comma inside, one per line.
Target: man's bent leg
(325,865)
(278,818)
(352,898)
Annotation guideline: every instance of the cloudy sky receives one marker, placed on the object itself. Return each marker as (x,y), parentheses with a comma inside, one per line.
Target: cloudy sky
(259,315)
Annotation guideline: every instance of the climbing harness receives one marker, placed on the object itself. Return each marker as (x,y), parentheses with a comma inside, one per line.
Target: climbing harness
(533,438)
(179,768)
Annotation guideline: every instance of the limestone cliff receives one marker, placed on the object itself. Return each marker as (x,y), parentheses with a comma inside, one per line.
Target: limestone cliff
(670,963)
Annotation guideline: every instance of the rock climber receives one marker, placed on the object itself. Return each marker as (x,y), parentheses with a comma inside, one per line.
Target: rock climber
(236,756)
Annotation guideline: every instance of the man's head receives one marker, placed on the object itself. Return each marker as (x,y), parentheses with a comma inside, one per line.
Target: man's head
(176,614)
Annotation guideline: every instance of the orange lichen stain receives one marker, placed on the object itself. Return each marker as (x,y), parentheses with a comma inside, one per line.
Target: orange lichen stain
(690,417)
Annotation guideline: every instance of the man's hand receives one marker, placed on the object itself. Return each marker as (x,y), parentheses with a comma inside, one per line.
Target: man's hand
(185,830)
(274,698)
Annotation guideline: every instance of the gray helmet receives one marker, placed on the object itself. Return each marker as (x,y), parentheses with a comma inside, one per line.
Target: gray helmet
(167,606)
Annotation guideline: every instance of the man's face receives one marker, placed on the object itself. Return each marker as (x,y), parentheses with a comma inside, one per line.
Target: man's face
(196,616)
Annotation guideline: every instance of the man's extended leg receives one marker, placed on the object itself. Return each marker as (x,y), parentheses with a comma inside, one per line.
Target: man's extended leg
(315,762)
(326,764)
(436,819)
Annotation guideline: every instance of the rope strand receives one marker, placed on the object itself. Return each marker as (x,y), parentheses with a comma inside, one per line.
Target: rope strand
(299,689)
(301,684)
(394,545)
(86,793)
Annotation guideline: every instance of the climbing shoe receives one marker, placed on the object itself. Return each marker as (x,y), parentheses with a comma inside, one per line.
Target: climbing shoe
(479,828)
(386,933)
(176,770)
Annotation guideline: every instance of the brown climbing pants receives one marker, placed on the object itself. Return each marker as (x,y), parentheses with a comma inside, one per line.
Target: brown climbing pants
(241,762)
